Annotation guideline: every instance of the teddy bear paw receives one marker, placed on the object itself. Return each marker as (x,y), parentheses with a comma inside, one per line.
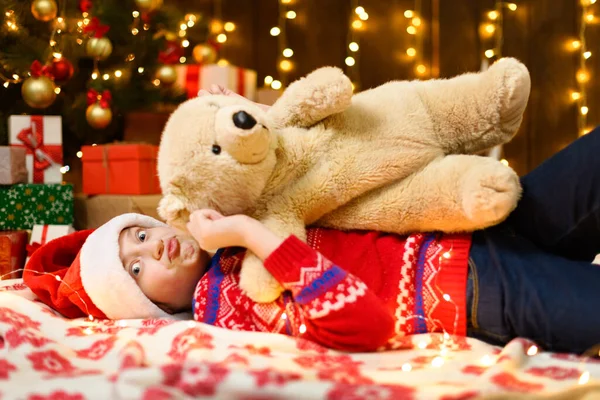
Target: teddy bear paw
(257,283)
(514,85)
(491,192)
(173,210)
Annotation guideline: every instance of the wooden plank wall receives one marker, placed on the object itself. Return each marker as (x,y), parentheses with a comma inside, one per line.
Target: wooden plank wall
(537,33)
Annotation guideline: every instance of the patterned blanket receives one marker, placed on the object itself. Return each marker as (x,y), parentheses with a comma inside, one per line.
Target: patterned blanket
(45,356)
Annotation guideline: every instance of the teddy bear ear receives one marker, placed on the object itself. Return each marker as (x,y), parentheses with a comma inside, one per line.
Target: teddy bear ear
(173,211)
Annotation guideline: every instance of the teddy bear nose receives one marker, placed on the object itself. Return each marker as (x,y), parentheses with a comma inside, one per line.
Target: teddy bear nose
(243,120)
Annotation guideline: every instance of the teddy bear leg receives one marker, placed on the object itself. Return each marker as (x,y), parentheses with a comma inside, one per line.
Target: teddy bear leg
(311,99)
(452,194)
(476,111)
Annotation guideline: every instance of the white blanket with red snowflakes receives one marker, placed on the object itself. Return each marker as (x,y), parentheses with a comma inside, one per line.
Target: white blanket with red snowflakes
(45,356)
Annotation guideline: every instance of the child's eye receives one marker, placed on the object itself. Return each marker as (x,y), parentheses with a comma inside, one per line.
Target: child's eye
(136,269)
(141,235)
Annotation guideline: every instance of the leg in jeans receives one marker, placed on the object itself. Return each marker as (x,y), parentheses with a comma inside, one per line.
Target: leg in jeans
(560,208)
(516,289)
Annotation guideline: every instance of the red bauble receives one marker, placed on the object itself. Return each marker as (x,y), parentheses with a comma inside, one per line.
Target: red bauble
(62,69)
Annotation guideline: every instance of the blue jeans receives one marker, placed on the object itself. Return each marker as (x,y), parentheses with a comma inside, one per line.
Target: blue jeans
(532,276)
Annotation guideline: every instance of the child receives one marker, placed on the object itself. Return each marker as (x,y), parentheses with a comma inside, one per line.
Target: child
(530,276)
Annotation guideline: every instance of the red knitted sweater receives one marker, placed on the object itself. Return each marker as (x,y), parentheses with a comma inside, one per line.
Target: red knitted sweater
(353,291)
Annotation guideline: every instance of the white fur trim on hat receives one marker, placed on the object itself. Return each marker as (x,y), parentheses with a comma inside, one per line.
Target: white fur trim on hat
(103,277)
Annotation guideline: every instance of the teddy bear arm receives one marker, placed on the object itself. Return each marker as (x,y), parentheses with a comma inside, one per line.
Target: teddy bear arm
(452,194)
(309,100)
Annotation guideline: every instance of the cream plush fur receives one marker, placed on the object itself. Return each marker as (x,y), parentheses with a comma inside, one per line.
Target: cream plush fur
(394,158)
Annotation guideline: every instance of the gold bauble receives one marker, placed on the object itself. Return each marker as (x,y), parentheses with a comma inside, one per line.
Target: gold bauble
(148,5)
(38,92)
(204,54)
(99,48)
(44,10)
(167,74)
(98,117)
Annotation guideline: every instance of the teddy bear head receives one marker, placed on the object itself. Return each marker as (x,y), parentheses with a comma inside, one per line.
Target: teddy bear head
(215,152)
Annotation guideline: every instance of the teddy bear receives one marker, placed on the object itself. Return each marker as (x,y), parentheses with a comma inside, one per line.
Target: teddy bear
(399,158)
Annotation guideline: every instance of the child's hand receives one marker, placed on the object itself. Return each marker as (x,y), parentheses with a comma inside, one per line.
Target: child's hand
(213,231)
(218,89)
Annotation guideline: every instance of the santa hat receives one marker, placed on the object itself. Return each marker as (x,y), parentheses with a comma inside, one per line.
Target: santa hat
(87,276)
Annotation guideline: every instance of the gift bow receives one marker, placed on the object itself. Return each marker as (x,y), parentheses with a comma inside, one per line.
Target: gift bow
(103,98)
(33,139)
(85,5)
(37,70)
(96,28)
(171,54)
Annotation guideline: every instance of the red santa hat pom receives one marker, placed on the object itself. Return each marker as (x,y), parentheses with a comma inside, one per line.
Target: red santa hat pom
(87,276)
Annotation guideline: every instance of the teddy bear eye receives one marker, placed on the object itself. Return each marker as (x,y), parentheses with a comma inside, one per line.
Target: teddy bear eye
(216,149)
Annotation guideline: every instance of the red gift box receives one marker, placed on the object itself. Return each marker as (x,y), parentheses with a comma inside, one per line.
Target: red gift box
(120,169)
(12,253)
(193,77)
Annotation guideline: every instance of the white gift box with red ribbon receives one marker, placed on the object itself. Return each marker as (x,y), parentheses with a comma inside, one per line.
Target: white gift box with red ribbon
(42,234)
(193,77)
(41,135)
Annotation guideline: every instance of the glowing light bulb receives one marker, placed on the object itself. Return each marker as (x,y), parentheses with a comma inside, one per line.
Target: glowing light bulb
(411,52)
(589,17)
(582,76)
(421,69)
(490,28)
(57,90)
(364,16)
(493,15)
(229,27)
(532,351)
(446,297)
(79,154)
(504,161)
(357,24)
(288,52)
(141,70)
(221,38)
(575,95)
(302,329)
(411,30)
(118,73)
(284,316)
(350,61)
(185,43)
(489,53)
(275,31)
(276,85)
(57,277)
(587,54)
(359,10)
(416,21)
(268,81)
(353,46)
(437,362)
(584,110)
(6,84)
(406,367)
(409,13)
(576,44)
(584,378)
(105,77)
(135,14)
(182,59)
(290,15)
(512,6)
(286,65)
(446,254)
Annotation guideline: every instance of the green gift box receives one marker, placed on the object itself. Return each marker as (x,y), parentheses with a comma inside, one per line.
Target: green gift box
(25,205)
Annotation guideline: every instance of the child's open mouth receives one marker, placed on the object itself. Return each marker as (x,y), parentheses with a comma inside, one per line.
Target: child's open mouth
(173,248)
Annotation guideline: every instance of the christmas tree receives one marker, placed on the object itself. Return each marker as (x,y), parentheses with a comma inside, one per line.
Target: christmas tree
(91,62)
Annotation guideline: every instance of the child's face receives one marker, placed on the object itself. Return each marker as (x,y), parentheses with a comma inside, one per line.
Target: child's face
(165,263)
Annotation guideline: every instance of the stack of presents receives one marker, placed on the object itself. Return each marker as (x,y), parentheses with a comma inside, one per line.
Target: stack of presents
(36,205)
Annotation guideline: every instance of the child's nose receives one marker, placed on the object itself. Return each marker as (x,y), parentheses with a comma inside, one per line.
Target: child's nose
(157,249)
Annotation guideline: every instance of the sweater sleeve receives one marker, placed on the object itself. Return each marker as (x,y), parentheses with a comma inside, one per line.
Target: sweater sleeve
(338,309)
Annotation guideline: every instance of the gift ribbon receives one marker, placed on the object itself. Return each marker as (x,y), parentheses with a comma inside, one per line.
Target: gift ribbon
(193,80)
(103,98)
(44,156)
(33,246)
